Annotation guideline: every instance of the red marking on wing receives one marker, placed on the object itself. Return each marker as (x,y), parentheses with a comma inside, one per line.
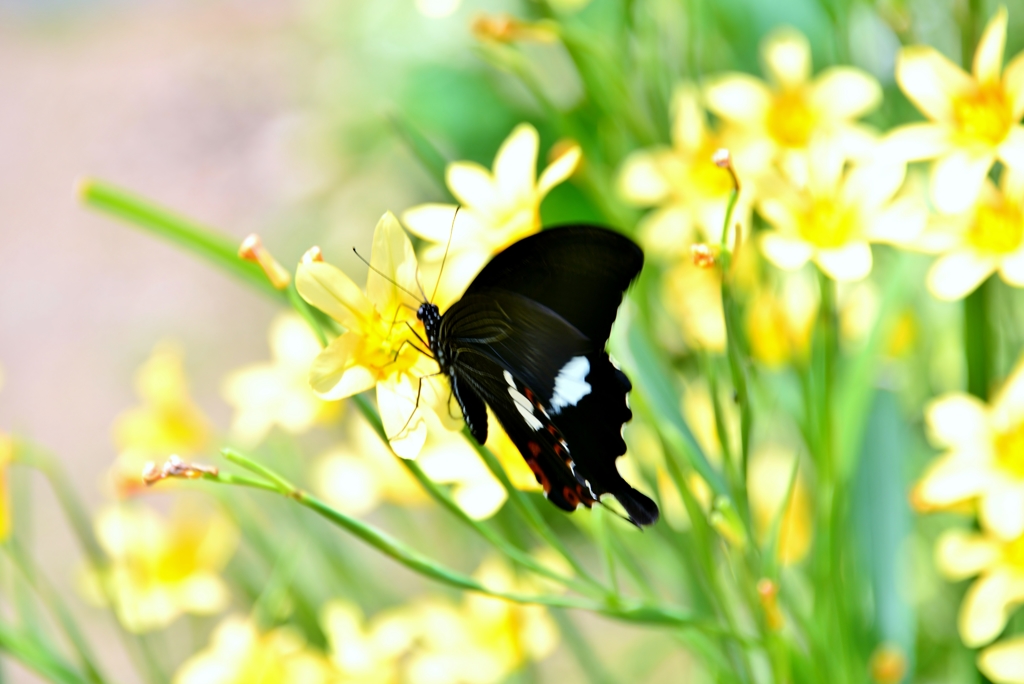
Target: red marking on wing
(571,495)
(534,449)
(542,479)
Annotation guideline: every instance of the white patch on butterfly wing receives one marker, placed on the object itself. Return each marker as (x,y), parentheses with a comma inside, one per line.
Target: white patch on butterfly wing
(571,384)
(523,404)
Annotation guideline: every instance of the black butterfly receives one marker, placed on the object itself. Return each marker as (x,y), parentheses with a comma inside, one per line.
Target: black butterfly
(527,339)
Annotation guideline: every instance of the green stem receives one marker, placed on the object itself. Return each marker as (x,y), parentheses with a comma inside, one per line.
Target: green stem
(37,580)
(220,249)
(405,555)
(978,340)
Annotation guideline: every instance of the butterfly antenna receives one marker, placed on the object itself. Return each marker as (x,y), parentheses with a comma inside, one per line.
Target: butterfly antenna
(451,231)
(384,275)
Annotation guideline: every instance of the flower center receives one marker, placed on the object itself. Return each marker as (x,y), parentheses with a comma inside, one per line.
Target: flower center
(791,119)
(706,179)
(1013,552)
(828,224)
(985,115)
(387,346)
(998,229)
(1010,451)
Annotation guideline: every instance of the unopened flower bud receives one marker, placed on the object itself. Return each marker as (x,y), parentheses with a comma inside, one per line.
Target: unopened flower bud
(175,467)
(252,249)
(722,158)
(312,254)
(888,664)
(504,28)
(768,593)
(704,255)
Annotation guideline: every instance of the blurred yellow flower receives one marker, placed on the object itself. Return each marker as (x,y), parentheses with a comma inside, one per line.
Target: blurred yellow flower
(999,589)
(168,422)
(496,210)
(984,458)
(689,190)
(276,392)
(973,116)
(379,346)
(239,653)
(832,217)
(779,325)
(693,297)
(783,118)
(768,480)
(485,639)
(987,237)
(357,475)
(367,653)
(159,567)
(1003,662)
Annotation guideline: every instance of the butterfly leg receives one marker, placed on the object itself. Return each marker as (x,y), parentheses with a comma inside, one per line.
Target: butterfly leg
(419,391)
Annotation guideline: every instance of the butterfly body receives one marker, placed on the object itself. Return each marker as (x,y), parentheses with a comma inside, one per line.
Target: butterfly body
(527,339)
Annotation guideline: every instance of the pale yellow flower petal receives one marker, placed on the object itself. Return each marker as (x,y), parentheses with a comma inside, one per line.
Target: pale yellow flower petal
(328,289)
(473,186)
(1003,662)
(1001,509)
(403,420)
(689,128)
(1012,268)
(203,593)
(785,252)
(738,98)
(901,223)
(348,482)
(988,56)
(845,93)
(1013,85)
(781,214)
(913,142)
(986,607)
(848,263)
(333,375)
(393,256)
(432,222)
(957,420)
(445,287)
(515,165)
(787,57)
(960,554)
(950,480)
(641,180)
(1011,150)
(931,81)
(480,499)
(667,232)
(957,179)
(1007,408)
(871,185)
(956,275)
(559,169)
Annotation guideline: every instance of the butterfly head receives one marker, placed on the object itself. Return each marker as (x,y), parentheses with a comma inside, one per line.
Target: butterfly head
(431,317)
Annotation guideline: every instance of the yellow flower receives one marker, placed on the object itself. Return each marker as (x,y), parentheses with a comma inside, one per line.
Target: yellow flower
(6,457)
(832,217)
(783,118)
(768,480)
(693,297)
(974,117)
(239,653)
(984,458)
(999,589)
(689,190)
(485,639)
(780,325)
(1003,662)
(367,653)
(168,422)
(379,346)
(160,568)
(276,392)
(496,210)
(357,475)
(987,237)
